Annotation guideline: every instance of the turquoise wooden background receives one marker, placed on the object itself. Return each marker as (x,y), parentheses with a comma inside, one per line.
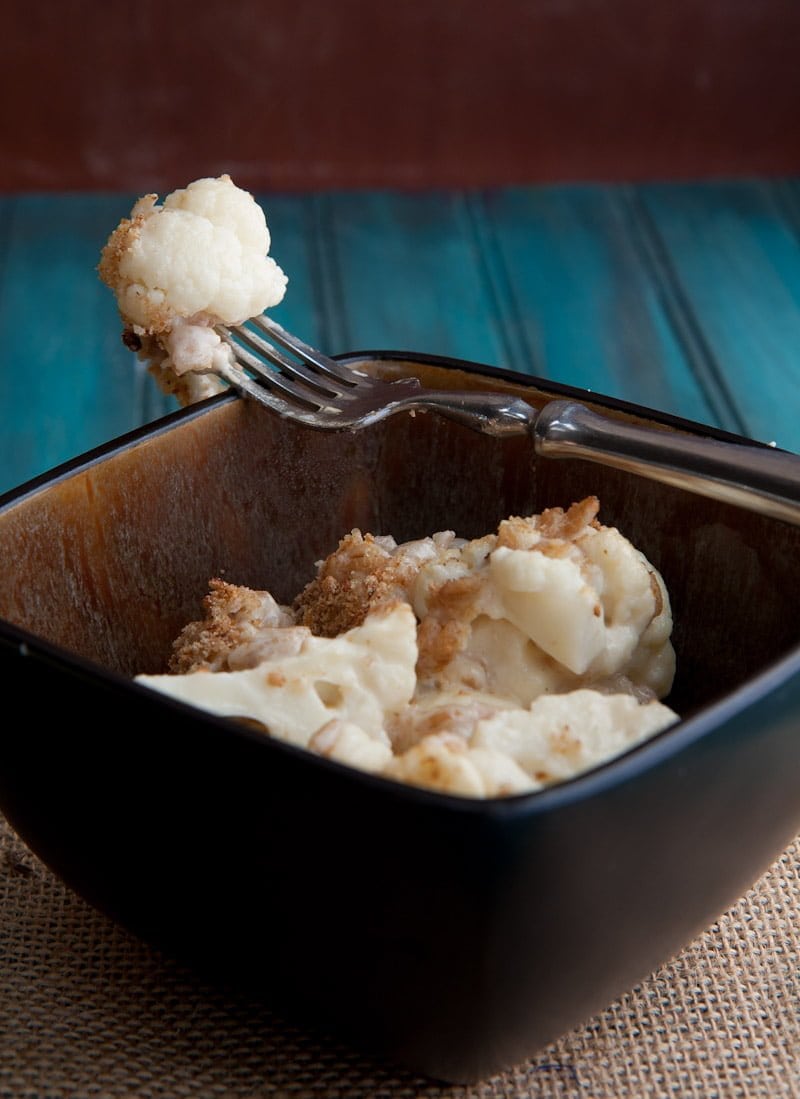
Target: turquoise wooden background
(684,297)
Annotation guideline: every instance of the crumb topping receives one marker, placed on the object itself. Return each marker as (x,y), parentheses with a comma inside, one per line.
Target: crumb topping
(482,668)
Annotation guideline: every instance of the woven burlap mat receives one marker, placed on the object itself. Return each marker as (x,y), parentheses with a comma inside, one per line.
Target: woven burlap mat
(86,1010)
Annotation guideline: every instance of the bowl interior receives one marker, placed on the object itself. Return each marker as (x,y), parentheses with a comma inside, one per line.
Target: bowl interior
(110,560)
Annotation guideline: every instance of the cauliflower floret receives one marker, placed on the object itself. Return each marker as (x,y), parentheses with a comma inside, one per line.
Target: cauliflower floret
(195,347)
(204,251)
(563,735)
(357,677)
(481,746)
(433,712)
(348,743)
(550,603)
(444,762)
(178,269)
(226,206)
(482,668)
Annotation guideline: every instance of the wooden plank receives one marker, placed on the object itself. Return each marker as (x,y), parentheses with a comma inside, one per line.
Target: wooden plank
(568,263)
(684,298)
(405,272)
(737,260)
(292,225)
(66,382)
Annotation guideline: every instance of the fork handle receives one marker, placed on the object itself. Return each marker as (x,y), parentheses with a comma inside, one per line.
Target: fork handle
(760,478)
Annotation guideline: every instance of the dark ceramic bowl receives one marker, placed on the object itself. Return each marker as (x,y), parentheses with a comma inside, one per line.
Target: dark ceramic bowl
(454,936)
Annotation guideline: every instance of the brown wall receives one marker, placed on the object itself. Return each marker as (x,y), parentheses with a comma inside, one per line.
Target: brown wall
(303,94)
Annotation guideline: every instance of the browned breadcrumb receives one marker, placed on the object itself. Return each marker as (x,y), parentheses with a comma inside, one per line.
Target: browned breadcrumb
(365,573)
(233,616)
(123,238)
(116,247)
(357,577)
(361,574)
(445,630)
(553,524)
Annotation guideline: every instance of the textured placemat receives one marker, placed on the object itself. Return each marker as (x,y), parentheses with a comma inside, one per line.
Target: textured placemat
(86,1010)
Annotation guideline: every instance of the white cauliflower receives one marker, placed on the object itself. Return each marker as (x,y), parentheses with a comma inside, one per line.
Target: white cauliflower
(445,762)
(558,736)
(485,747)
(483,668)
(552,602)
(358,678)
(177,269)
(348,743)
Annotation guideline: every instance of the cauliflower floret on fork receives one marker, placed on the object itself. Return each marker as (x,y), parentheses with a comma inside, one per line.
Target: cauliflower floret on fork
(179,268)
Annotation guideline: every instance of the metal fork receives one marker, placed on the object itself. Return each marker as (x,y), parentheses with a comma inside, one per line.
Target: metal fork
(321,392)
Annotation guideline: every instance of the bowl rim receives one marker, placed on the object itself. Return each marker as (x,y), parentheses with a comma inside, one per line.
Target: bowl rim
(165,423)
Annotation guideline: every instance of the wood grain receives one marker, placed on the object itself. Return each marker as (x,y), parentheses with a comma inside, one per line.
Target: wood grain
(684,298)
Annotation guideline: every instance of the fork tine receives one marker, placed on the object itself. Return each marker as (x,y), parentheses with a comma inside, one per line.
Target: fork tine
(311,377)
(290,386)
(328,418)
(761,480)
(305,352)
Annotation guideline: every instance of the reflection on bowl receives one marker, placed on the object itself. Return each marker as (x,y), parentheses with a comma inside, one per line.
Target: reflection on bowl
(454,936)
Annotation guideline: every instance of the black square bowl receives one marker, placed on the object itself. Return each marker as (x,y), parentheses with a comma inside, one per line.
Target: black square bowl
(455,937)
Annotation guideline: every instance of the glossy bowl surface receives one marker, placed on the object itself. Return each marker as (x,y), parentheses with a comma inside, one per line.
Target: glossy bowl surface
(455,937)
